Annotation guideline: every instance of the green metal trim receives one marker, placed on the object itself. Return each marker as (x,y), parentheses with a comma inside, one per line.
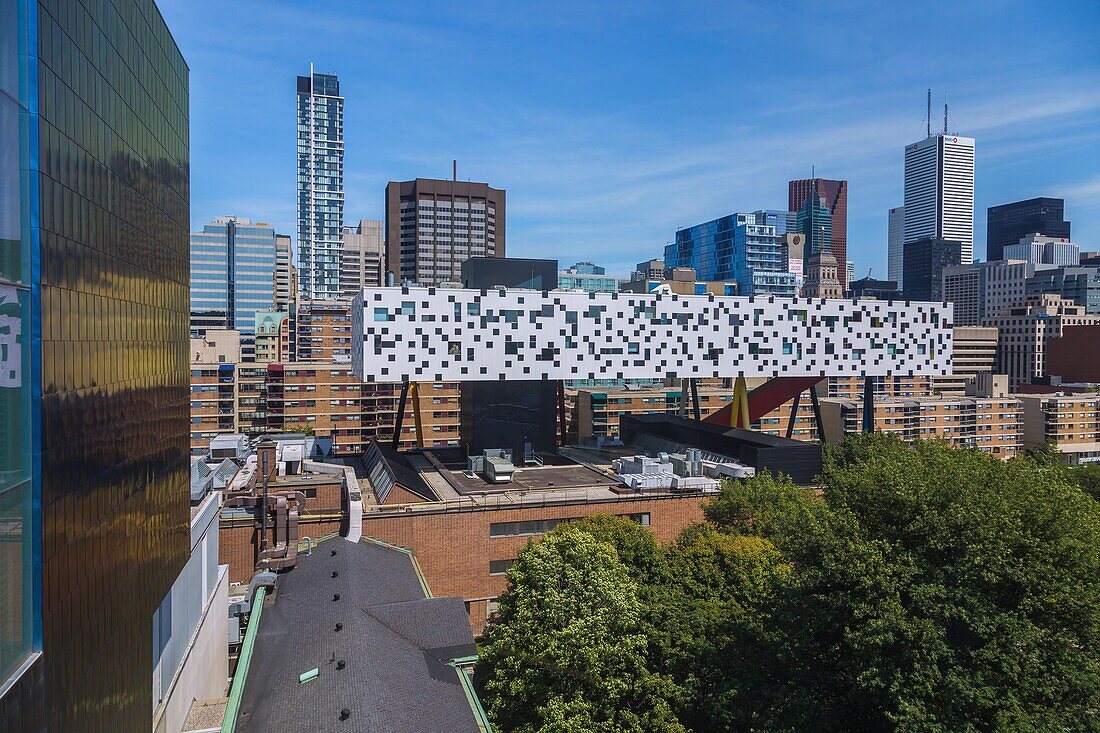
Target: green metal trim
(416,565)
(233,709)
(480,717)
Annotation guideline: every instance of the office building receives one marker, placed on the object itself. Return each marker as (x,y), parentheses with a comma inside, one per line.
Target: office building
(991,423)
(1026,330)
(1079,284)
(985,289)
(973,352)
(232,266)
(925,261)
(587,277)
(822,277)
(433,226)
(594,414)
(741,248)
(286,288)
(834,196)
(815,222)
(94,216)
(1042,250)
(868,287)
(320,185)
(682,281)
(362,258)
(1008,223)
(939,192)
(1069,422)
(895,243)
(649,270)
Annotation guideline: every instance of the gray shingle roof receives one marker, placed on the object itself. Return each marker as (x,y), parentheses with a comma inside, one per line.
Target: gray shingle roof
(395,643)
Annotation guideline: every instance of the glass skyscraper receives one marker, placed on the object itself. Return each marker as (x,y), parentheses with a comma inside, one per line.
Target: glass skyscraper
(94,498)
(320,185)
(742,248)
(815,220)
(232,274)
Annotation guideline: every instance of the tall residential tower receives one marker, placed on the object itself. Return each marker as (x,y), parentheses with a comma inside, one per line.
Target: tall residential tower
(320,185)
(939,191)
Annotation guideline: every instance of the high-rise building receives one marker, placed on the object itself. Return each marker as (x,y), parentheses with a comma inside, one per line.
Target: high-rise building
(286,288)
(649,270)
(925,260)
(985,289)
(94,210)
(320,185)
(232,268)
(973,352)
(1079,284)
(362,258)
(1026,330)
(744,248)
(834,196)
(939,191)
(815,221)
(588,277)
(1042,250)
(1007,223)
(433,226)
(895,243)
(868,287)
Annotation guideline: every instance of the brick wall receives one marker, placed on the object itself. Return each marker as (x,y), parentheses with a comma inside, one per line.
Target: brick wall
(454,548)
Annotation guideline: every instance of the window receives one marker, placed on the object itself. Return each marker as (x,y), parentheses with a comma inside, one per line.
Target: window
(539,526)
(381,314)
(500,567)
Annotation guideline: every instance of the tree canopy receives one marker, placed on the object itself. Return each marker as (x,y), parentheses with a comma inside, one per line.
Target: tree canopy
(923,588)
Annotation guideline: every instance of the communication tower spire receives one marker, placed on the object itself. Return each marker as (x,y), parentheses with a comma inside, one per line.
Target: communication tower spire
(928,117)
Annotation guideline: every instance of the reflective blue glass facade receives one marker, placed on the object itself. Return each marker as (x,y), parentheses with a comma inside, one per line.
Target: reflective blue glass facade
(232,273)
(320,185)
(743,248)
(94,507)
(815,220)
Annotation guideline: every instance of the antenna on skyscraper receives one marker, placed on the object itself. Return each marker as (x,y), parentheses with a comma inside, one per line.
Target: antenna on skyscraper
(928,117)
(945,113)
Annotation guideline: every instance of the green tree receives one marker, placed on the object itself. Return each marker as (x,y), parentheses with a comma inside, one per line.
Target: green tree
(1088,478)
(565,651)
(764,505)
(942,590)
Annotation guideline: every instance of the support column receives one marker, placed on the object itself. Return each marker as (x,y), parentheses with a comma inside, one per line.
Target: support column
(794,415)
(817,414)
(695,398)
(868,404)
(398,423)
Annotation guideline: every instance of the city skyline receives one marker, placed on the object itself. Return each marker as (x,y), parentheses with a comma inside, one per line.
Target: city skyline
(603,161)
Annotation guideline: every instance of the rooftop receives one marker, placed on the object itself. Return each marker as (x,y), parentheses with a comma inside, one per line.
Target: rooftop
(390,666)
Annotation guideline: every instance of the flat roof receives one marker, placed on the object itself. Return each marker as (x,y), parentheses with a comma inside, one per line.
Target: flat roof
(396,642)
(534,478)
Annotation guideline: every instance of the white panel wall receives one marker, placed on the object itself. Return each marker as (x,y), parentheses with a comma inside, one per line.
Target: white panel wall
(440,334)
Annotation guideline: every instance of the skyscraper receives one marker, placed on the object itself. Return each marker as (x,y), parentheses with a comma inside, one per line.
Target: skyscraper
(93,343)
(433,226)
(320,185)
(232,266)
(939,191)
(834,195)
(895,243)
(815,221)
(1008,223)
(925,260)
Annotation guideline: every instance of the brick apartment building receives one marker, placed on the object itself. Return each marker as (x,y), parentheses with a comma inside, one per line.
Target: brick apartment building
(323,399)
(1069,422)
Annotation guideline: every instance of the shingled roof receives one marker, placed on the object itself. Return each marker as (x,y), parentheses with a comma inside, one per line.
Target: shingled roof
(389,667)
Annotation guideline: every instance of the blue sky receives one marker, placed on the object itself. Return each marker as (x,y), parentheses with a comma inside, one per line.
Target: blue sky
(613,124)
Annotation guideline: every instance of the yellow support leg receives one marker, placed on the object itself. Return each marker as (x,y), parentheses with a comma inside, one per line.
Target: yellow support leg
(739,411)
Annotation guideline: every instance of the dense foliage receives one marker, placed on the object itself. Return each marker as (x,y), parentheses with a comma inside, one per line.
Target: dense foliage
(928,589)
